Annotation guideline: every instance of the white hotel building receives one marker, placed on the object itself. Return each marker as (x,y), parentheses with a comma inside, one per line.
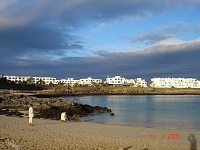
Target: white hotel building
(89,81)
(175,82)
(35,80)
(82,82)
(69,81)
(118,80)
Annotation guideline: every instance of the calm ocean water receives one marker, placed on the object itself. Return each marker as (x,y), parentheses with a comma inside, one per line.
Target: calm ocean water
(146,110)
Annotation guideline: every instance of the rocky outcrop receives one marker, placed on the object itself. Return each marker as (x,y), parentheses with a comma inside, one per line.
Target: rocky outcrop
(17,105)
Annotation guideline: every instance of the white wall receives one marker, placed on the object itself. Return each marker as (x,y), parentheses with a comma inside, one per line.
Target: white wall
(175,82)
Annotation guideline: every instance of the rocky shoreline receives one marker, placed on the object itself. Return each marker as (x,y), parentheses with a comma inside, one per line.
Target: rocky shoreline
(49,103)
(52,134)
(51,108)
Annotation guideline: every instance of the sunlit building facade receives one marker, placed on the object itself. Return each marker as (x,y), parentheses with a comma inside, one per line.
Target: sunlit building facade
(89,81)
(33,80)
(82,82)
(69,81)
(121,81)
(113,81)
(175,82)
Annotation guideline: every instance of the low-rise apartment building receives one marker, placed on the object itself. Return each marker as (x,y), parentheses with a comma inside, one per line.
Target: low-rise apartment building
(82,82)
(46,80)
(89,81)
(139,82)
(17,78)
(118,80)
(69,81)
(30,79)
(114,81)
(175,82)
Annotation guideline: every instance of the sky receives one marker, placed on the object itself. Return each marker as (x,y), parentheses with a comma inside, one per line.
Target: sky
(95,38)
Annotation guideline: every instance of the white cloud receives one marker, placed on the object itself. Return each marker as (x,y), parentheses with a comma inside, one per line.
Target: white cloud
(165,35)
(100,27)
(170,41)
(175,28)
(174,41)
(171,45)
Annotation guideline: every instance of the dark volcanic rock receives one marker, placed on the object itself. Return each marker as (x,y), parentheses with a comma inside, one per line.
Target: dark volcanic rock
(10,112)
(11,105)
(77,110)
(1,100)
(112,114)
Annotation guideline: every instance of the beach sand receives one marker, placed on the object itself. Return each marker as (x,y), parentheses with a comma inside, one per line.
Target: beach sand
(15,133)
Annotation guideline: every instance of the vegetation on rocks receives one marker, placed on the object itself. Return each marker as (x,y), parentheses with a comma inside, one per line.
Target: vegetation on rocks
(114,90)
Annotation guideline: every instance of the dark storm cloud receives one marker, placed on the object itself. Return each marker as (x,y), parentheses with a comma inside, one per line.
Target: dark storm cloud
(36,38)
(181,60)
(157,61)
(177,60)
(38,26)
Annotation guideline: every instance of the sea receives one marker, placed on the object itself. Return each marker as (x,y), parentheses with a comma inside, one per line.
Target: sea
(174,111)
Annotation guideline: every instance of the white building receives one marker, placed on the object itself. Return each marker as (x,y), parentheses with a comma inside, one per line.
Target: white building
(89,81)
(118,80)
(17,78)
(34,80)
(175,82)
(46,80)
(139,82)
(82,82)
(69,81)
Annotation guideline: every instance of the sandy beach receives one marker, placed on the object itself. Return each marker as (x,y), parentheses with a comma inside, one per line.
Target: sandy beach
(15,133)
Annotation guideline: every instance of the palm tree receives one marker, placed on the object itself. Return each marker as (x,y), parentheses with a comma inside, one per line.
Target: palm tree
(3,80)
(30,80)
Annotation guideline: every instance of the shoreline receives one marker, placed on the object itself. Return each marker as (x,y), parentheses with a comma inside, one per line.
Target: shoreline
(40,101)
(59,91)
(154,127)
(61,95)
(53,134)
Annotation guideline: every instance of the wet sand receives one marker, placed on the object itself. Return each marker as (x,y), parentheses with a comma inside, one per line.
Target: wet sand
(15,133)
